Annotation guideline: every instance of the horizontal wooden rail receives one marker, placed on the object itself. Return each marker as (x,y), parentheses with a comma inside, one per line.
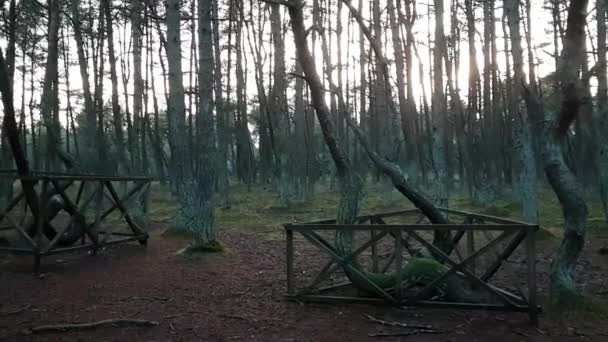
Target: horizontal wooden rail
(412,227)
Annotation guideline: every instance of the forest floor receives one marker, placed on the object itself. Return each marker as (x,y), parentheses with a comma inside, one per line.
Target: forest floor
(238,295)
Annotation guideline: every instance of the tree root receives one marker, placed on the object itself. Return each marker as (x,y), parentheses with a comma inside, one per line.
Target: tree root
(91,325)
(397,324)
(14,312)
(404,333)
(413,329)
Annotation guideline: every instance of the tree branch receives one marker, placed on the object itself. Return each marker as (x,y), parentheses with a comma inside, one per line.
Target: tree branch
(81,326)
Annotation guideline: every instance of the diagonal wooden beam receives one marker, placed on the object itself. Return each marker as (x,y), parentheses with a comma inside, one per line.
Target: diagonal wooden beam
(310,236)
(12,204)
(460,267)
(119,203)
(404,241)
(21,231)
(130,194)
(389,262)
(74,212)
(332,265)
(506,253)
(80,191)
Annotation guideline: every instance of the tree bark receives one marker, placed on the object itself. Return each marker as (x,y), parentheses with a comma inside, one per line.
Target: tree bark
(601,114)
(528,184)
(561,178)
(176,110)
(89,107)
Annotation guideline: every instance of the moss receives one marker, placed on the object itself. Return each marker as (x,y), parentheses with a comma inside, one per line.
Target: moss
(546,235)
(597,225)
(418,272)
(497,211)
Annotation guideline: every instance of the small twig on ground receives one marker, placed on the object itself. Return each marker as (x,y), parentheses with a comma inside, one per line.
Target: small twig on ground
(14,312)
(395,334)
(397,324)
(171,316)
(163,299)
(520,333)
(405,333)
(243,292)
(81,326)
(236,317)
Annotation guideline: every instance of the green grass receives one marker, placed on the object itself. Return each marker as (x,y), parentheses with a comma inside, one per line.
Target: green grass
(260,210)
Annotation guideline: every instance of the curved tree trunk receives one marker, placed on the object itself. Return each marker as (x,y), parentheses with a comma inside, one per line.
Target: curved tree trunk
(11,131)
(552,132)
(561,178)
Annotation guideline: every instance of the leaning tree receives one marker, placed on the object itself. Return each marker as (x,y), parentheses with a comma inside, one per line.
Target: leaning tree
(422,270)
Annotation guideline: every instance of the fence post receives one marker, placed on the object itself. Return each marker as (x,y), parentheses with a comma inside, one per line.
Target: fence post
(531,261)
(398,264)
(289,258)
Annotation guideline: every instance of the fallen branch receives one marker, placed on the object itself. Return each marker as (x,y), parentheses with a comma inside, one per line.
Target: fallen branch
(82,326)
(243,292)
(405,333)
(14,312)
(398,324)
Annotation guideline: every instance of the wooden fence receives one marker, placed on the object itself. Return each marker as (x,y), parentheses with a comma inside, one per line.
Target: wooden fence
(75,212)
(482,245)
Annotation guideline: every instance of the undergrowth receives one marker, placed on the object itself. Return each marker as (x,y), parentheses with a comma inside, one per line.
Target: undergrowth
(260,210)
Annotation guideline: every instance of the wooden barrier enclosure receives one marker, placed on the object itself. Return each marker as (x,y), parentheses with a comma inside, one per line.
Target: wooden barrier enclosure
(75,212)
(482,247)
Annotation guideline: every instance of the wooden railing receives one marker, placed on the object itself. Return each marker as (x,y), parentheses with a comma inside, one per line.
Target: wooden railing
(74,214)
(481,245)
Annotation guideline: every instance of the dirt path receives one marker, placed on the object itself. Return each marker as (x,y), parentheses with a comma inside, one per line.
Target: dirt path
(231,297)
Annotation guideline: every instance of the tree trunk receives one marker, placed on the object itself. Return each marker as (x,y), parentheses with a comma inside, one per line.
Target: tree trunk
(601,114)
(11,131)
(116,114)
(561,178)
(528,185)
(91,116)
(48,98)
(138,82)
(439,124)
(176,110)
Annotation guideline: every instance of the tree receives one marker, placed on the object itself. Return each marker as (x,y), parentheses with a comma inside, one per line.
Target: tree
(117,115)
(601,114)
(523,132)
(89,106)
(561,178)
(552,130)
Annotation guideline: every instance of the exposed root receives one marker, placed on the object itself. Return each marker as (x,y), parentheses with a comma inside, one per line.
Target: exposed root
(91,325)
(397,324)
(14,312)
